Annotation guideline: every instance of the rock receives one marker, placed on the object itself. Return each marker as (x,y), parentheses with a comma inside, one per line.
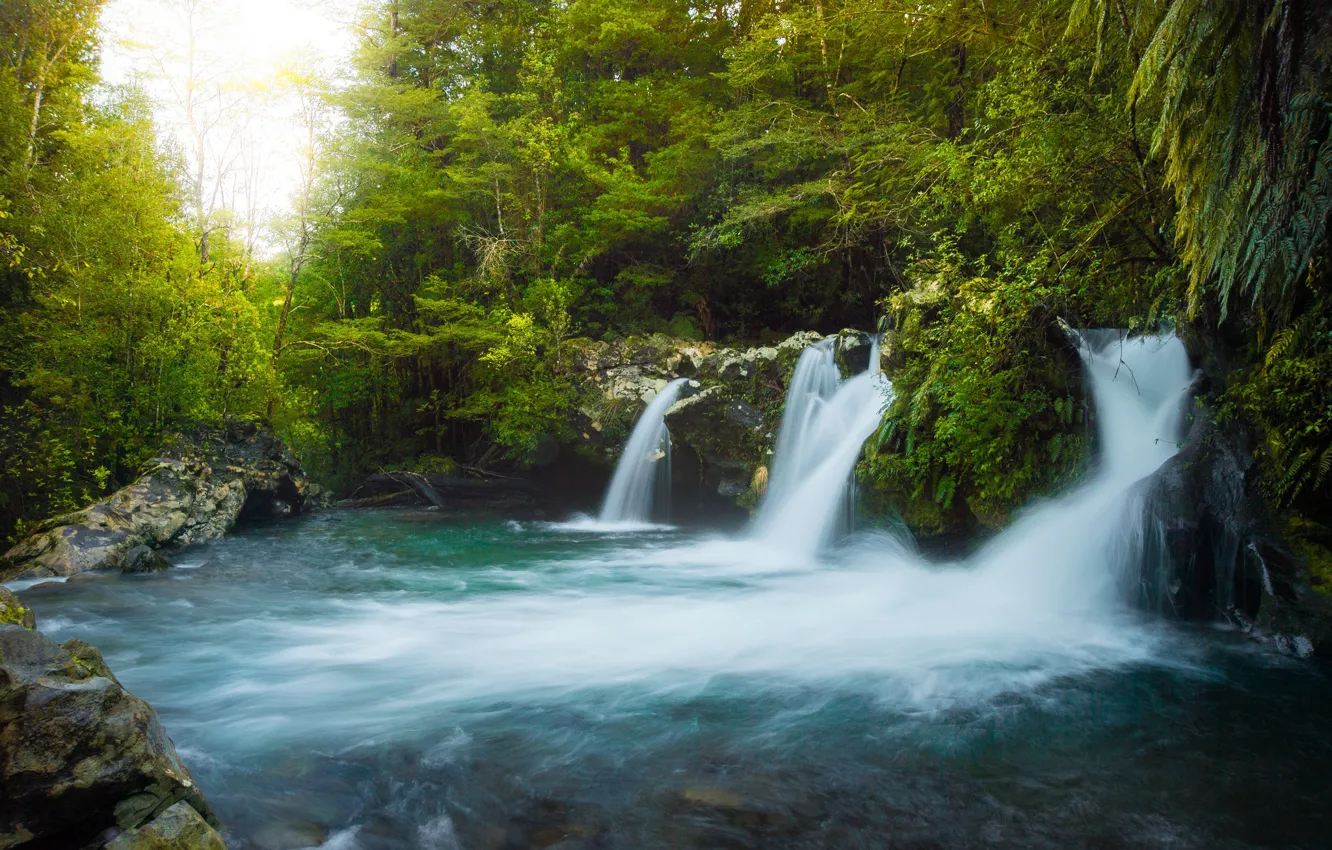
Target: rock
(178,828)
(724,425)
(78,753)
(1213,550)
(144,559)
(13,612)
(731,487)
(852,351)
(196,490)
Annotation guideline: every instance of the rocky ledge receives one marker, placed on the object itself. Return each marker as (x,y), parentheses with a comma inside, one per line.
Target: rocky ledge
(723,429)
(196,489)
(83,763)
(725,424)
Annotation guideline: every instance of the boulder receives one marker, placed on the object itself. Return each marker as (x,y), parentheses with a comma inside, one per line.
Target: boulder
(196,490)
(178,828)
(1212,550)
(852,351)
(78,754)
(144,559)
(13,612)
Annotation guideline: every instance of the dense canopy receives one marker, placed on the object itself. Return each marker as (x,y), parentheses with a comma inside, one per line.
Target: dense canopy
(503,177)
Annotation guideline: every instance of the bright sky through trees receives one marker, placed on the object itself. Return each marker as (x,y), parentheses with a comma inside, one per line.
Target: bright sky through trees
(242,51)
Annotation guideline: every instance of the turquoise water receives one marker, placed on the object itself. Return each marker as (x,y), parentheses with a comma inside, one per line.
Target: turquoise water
(401,679)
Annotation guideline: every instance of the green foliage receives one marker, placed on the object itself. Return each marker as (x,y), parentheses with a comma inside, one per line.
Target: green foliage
(112,331)
(514,174)
(1289,397)
(987,411)
(1242,124)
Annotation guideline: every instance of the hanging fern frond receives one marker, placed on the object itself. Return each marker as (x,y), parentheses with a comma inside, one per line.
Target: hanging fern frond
(1242,127)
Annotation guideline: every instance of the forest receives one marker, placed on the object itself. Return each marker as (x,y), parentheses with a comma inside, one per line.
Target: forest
(501,179)
(661,424)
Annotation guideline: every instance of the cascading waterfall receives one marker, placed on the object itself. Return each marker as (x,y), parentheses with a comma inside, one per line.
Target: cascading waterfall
(813,383)
(383,646)
(824,424)
(1074,553)
(1139,386)
(645,461)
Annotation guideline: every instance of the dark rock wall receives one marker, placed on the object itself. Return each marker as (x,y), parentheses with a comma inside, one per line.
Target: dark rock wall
(1212,548)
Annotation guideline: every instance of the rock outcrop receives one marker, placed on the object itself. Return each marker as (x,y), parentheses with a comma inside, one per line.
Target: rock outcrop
(195,490)
(1212,549)
(722,429)
(81,758)
(725,424)
(13,612)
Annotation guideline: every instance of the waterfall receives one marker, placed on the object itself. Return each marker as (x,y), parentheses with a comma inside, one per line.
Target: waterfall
(1078,552)
(824,424)
(645,461)
(876,346)
(1139,386)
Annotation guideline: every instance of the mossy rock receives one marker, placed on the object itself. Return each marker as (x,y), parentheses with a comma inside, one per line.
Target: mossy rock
(79,754)
(13,612)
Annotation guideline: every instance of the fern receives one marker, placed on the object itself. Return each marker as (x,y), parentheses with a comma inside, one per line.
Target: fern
(1242,128)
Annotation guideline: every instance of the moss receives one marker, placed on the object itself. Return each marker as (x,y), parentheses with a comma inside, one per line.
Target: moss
(1310,542)
(13,612)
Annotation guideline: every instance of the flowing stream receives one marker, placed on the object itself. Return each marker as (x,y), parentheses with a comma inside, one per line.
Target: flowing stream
(397,679)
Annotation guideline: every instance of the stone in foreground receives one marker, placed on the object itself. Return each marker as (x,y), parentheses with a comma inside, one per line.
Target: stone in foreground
(78,753)
(178,828)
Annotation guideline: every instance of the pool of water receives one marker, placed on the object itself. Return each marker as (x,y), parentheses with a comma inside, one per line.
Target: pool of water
(398,679)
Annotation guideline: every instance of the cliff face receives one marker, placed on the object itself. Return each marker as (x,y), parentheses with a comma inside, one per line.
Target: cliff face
(1215,547)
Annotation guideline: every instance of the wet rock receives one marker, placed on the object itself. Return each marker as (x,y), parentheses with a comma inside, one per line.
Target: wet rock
(731,487)
(719,807)
(198,488)
(13,612)
(144,559)
(178,828)
(78,753)
(852,351)
(723,426)
(1212,550)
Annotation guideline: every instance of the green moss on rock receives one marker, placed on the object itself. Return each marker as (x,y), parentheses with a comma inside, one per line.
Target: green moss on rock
(13,612)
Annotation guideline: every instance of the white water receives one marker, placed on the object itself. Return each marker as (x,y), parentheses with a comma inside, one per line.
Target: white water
(393,675)
(645,461)
(824,425)
(518,616)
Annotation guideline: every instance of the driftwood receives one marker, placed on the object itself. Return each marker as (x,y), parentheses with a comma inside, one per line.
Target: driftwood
(391,489)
